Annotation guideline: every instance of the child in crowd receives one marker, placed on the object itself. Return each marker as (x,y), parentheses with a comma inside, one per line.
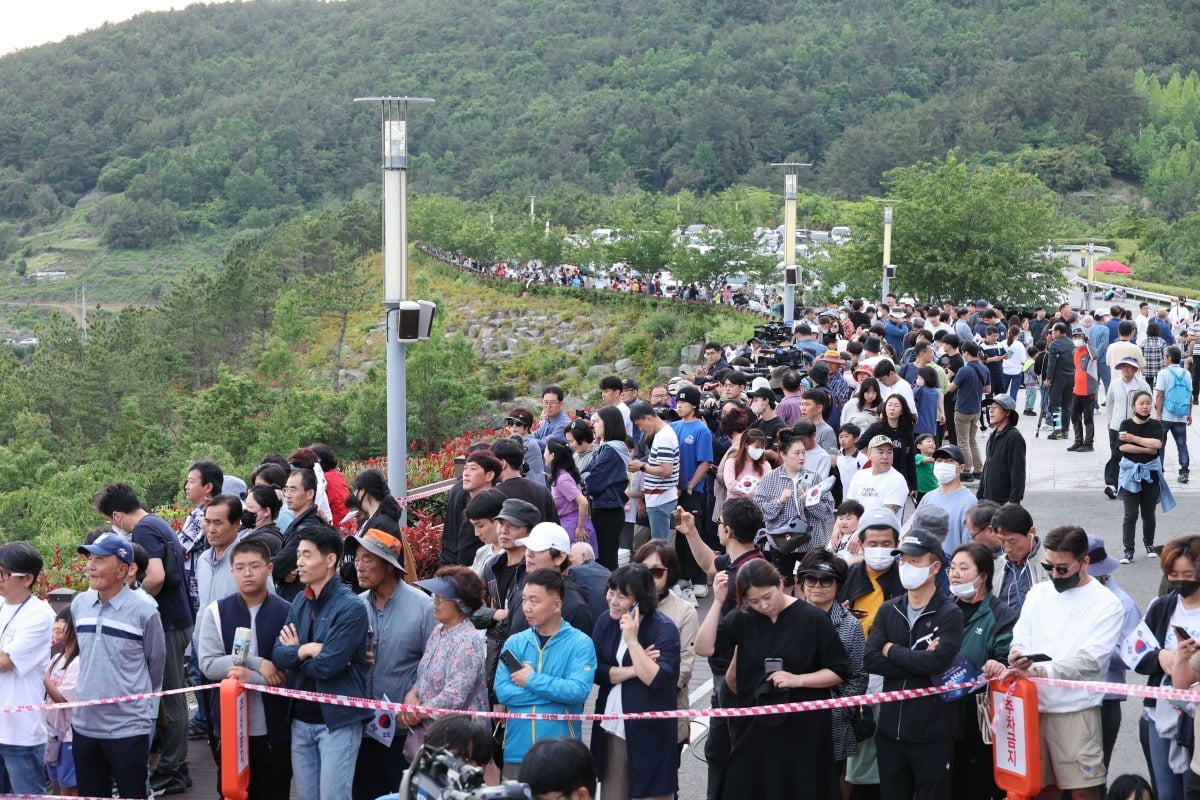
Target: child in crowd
(926,482)
(849,458)
(815,459)
(845,526)
(61,675)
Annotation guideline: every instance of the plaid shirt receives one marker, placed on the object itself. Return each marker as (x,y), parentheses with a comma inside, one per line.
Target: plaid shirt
(1152,350)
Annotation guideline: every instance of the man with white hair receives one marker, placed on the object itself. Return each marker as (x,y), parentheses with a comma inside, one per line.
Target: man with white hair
(590,576)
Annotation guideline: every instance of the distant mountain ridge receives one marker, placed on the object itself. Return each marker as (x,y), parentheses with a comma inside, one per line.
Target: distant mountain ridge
(241,114)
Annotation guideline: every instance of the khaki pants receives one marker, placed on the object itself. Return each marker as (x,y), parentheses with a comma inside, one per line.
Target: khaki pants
(966,427)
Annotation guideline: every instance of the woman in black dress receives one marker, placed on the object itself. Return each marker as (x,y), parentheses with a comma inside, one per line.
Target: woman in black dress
(787,651)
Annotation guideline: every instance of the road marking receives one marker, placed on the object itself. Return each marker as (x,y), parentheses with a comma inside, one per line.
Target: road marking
(701,691)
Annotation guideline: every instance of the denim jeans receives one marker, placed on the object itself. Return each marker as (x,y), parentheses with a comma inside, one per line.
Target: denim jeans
(323,760)
(660,520)
(1169,784)
(1178,431)
(1012,384)
(21,769)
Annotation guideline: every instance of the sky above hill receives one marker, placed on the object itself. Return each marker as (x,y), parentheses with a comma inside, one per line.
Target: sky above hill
(27,24)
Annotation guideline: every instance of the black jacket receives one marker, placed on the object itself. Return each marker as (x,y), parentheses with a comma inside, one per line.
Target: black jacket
(1004,471)
(909,664)
(857,583)
(1158,619)
(285,559)
(1060,360)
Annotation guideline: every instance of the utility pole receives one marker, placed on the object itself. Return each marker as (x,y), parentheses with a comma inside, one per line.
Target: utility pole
(792,275)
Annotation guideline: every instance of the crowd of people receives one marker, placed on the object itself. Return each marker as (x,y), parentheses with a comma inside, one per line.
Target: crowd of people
(827,490)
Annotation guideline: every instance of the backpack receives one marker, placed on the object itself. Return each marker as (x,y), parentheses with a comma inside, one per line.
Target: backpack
(1178,397)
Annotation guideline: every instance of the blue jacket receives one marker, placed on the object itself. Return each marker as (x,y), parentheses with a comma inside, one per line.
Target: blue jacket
(894,334)
(652,752)
(606,479)
(337,619)
(563,671)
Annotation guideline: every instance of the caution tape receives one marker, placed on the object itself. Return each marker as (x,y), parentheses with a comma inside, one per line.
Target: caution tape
(104,701)
(680,713)
(1127,689)
(404,501)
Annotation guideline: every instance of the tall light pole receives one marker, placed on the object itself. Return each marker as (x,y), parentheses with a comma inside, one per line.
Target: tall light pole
(532,209)
(791,275)
(407,321)
(1090,257)
(889,269)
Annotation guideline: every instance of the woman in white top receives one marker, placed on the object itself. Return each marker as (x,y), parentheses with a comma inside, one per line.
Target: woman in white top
(862,409)
(1014,362)
(747,464)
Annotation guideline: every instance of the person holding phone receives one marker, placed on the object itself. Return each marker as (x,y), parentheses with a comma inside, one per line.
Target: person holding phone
(786,651)
(637,669)
(1049,624)
(1174,619)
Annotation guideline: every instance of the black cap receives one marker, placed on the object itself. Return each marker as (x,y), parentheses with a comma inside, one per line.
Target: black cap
(918,543)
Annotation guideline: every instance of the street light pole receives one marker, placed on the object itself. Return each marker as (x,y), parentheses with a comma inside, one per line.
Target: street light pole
(889,269)
(791,275)
(532,209)
(1091,268)
(395,284)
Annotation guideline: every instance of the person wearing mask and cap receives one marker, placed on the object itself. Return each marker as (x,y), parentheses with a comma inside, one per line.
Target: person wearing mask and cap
(873,580)
(1049,625)
(400,621)
(1003,478)
(518,425)
(762,404)
(1101,566)
(915,638)
(1120,408)
(951,495)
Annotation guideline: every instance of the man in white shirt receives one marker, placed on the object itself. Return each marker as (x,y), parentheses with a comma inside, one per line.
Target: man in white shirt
(25,633)
(1049,625)
(880,486)
(661,468)
(891,383)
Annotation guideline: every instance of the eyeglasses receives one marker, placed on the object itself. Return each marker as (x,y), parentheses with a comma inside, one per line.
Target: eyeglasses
(823,581)
(1058,569)
(246,569)
(292,489)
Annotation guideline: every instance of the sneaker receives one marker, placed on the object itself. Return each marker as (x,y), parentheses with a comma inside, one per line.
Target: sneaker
(978,475)
(1029,412)
(701,590)
(1110,492)
(1056,436)
(1085,448)
(1150,552)
(1127,558)
(196,731)
(1075,447)
(689,595)
(1183,477)
(968,477)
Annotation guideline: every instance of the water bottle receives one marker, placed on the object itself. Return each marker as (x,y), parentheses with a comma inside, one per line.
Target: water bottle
(241,646)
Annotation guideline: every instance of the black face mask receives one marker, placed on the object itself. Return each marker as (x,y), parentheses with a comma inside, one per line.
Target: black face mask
(1067,583)
(1185,588)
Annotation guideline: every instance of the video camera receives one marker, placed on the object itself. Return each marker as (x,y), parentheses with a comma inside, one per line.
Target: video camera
(437,775)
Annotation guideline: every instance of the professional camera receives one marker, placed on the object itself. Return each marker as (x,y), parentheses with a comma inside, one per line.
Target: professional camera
(666,413)
(437,775)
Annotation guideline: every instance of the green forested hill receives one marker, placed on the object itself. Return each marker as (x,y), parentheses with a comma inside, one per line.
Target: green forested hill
(240,114)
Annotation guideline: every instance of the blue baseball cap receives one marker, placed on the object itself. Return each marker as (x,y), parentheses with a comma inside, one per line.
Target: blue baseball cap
(109,544)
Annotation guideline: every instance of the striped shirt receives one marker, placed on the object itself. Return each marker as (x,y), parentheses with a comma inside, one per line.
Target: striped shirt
(663,450)
(122,651)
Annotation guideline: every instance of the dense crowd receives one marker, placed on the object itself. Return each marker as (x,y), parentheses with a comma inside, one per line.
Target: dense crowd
(824,484)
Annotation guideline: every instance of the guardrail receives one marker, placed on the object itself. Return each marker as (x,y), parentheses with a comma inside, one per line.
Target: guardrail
(1132,292)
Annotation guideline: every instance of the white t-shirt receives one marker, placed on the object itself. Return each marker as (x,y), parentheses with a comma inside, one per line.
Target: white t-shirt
(664,450)
(1188,619)
(848,466)
(877,491)
(25,633)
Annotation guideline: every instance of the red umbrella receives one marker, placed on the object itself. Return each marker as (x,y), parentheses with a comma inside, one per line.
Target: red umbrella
(1115,267)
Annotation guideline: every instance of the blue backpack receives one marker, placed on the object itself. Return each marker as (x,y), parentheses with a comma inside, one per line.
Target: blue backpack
(1178,397)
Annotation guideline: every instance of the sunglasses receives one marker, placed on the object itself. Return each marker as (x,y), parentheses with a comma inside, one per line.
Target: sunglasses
(658,572)
(823,581)
(1056,569)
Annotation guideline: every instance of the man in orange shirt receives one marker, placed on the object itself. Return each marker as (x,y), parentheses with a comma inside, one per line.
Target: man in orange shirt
(1084,391)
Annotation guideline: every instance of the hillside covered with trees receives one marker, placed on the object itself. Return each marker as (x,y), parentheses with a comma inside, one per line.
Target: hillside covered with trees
(239,114)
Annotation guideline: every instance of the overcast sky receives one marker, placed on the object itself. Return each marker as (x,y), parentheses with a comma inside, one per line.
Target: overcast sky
(25,23)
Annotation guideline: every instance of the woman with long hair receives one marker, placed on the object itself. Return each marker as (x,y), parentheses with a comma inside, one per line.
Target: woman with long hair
(747,464)
(62,673)
(787,651)
(605,482)
(898,423)
(733,424)
(862,408)
(569,500)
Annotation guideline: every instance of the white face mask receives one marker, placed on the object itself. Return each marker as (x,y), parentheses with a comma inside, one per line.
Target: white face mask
(912,576)
(755,453)
(963,591)
(945,472)
(878,558)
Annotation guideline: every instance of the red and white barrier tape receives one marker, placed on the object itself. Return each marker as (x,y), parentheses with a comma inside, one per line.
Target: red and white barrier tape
(104,701)
(681,713)
(1127,689)
(404,501)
